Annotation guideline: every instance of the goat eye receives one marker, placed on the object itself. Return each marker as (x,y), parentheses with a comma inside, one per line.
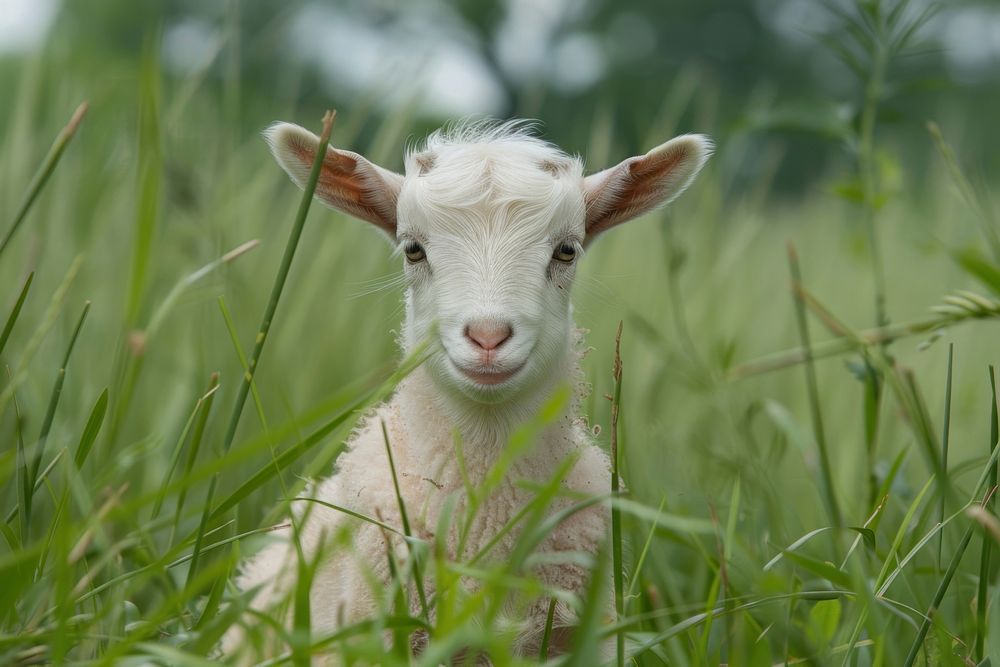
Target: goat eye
(565,252)
(414,252)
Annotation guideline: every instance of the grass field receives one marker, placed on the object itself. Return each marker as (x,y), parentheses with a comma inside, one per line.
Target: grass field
(815,513)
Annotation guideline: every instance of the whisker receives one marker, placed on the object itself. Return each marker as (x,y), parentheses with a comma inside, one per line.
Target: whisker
(374,286)
(597,289)
(378,279)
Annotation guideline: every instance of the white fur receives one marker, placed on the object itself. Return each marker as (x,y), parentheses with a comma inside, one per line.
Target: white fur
(488,204)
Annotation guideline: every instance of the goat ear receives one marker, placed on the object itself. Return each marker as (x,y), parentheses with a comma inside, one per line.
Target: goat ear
(640,184)
(347,182)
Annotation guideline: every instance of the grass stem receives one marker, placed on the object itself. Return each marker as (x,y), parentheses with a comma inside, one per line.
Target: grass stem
(543,650)
(945,435)
(15,311)
(41,176)
(864,338)
(975,201)
(417,574)
(869,182)
(988,507)
(939,594)
(616,522)
(50,415)
(812,387)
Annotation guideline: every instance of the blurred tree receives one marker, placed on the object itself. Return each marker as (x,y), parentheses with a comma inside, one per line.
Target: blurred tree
(769,70)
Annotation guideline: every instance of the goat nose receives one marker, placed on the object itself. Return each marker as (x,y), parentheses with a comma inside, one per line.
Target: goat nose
(488,335)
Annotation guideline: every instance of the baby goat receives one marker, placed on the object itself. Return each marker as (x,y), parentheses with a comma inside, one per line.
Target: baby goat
(492,222)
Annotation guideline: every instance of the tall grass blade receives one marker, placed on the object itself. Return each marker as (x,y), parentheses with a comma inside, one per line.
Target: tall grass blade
(50,415)
(194,448)
(812,386)
(885,573)
(49,319)
(302,614)
(90,431)
(21,474)
(587,632)
(200,534)
(15,311)
(651,640)
(942,588)
(244,365)
(979,205)
(543,649)
(945,437)
(348,512)
(886,577)
(41,176)
(984,559)
(616,522)
(175,456)
(872,410)
(149,177)
(635,578)
(417,574)
(904,383)
(159,653)
(400,638)
(56,393)
(726,557)
(873,198)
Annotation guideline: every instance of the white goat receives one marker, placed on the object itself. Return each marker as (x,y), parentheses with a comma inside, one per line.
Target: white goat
(491,221)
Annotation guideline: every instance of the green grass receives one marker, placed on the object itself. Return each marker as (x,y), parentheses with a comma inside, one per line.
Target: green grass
(830,518)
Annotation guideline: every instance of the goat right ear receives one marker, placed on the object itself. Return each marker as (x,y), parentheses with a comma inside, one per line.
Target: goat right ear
(640,184)
(347,181)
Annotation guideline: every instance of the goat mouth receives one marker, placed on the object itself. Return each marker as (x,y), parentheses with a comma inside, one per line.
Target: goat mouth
(489,376)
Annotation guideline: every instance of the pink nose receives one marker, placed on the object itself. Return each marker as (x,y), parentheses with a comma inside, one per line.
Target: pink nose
(488,335)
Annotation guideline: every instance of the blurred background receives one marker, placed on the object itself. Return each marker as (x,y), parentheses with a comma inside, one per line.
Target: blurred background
(782,74)
(820,112)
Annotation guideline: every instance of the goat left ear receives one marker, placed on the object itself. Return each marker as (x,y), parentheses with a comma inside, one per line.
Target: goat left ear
(347,181)
(640,184)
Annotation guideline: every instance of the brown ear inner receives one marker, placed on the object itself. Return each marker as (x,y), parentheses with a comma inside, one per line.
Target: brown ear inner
(640,189)
(341,184)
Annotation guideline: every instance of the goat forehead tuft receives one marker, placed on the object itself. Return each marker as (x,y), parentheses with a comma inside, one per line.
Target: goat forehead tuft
(489,142)
(485,131)
(493,172)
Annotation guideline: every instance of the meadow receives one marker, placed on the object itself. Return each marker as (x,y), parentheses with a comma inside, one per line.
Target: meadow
(807,403)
